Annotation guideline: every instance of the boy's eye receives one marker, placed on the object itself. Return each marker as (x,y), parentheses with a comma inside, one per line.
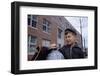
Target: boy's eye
(68,36)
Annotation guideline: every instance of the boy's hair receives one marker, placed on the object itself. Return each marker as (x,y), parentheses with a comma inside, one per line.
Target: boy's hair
(70,31)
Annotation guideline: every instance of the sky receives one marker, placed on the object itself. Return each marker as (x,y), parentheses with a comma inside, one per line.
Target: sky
(76,23)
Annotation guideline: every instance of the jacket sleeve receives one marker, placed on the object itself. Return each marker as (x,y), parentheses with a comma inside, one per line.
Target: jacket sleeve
(80,52)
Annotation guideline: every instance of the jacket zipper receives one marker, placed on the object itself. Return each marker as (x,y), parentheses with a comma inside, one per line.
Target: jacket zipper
(70,53)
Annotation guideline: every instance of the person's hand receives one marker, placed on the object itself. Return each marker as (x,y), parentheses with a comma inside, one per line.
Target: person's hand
(53,46)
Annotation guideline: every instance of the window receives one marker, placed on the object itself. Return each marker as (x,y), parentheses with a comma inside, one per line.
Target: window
(59,33)
(32,20)
(32,41)
(46,26)
(46,43)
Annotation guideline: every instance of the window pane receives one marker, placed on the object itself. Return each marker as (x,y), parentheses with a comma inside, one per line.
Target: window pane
(32,48)
(29,19)
(34,21)
(48,30)
(33,39)
(34,17)
(59,33)
(46,43)
(46,25)
(44,28)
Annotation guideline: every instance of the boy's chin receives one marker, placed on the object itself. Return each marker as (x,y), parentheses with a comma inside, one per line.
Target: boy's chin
(68,43)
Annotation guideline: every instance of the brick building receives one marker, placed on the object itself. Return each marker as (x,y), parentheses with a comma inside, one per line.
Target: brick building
(45,30)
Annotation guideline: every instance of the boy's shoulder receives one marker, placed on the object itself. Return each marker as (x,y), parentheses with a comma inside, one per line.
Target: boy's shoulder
(65,47)
(77,46)
(62,48)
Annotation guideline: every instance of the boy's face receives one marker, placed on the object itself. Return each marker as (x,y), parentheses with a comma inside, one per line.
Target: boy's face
(70,38)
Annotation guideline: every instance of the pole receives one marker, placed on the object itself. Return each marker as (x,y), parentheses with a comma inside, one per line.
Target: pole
(81,32)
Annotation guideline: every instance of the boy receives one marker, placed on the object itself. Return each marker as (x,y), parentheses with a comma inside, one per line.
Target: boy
(71,50)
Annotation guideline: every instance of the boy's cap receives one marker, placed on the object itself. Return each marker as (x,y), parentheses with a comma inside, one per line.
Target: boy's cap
(70,30)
